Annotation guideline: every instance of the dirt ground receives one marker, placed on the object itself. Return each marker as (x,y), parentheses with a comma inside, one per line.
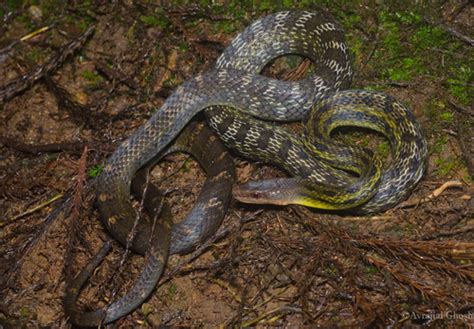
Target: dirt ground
(69,94)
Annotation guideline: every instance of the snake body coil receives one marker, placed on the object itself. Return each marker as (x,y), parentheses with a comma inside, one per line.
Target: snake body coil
(152,237)
(234,92)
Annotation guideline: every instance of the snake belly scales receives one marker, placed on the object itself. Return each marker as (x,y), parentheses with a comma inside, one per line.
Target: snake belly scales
(232,96)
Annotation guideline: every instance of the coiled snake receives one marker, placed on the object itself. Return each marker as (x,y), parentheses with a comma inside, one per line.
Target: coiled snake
(325,173)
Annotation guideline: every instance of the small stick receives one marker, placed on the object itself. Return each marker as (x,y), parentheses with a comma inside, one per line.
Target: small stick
(25,81)
(35,33)
(439,190)
(458,35)
(436,193)
(75,219)
(34,209)
(8,49)
(74,147)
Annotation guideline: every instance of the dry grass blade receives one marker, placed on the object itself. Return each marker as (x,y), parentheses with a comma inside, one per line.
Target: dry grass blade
(22,83)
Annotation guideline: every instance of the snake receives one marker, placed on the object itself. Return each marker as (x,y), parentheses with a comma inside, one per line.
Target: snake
(243,107)
(153,239)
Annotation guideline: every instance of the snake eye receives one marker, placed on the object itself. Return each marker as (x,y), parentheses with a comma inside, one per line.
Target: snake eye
(256,195)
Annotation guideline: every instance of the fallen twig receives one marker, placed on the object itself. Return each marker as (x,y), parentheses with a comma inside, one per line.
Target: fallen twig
(458,34)
(74,147)
(35,33)
(458,10)
(75,220)
(7,277)
(34,209)
(452,31)
(432,195)
(114,74)
(22,83)
(5,52)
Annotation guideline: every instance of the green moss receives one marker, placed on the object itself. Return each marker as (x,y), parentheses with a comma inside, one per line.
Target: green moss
(288,3)
(93,78)
(357,48)
(409,228)
(14,4)
(172,290)
(460,84)
(407,18)
(85,23)
(226,26)
(373,87)
(353,19)
(265,5)
(438,146)
(447,116)
(447,167)
(370,269)
(95,170)
(330,269)
(427,36)
(391,40)
(33,56)
(186,165)
(400,17)
(405,71)
(25,19)
(383,149)
(131,31)
(406,41)
(171,82)
(159,19)
(150,20)
(24,312)
(183,46)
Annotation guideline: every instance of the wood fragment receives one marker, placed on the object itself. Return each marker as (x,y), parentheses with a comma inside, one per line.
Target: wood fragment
(113,74)
(436,193)
(74,147)
(458,34)
(35,33)
(24,82)
(75,218)
(458,10)
(34,209)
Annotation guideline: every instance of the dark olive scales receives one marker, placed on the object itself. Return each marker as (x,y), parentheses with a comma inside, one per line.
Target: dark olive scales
(234,90)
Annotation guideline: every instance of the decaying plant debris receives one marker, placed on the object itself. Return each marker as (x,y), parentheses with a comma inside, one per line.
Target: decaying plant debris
(77,79)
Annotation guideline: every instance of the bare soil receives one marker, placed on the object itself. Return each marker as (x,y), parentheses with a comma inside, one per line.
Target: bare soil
(270,266)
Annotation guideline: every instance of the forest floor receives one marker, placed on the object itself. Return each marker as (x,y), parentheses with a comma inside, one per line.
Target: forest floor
(62,116)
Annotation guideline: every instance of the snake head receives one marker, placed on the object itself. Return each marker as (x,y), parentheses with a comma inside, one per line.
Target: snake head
(278,191)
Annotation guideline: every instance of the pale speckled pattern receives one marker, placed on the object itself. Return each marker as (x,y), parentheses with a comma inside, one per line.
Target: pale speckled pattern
(236,84)
(358,108)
